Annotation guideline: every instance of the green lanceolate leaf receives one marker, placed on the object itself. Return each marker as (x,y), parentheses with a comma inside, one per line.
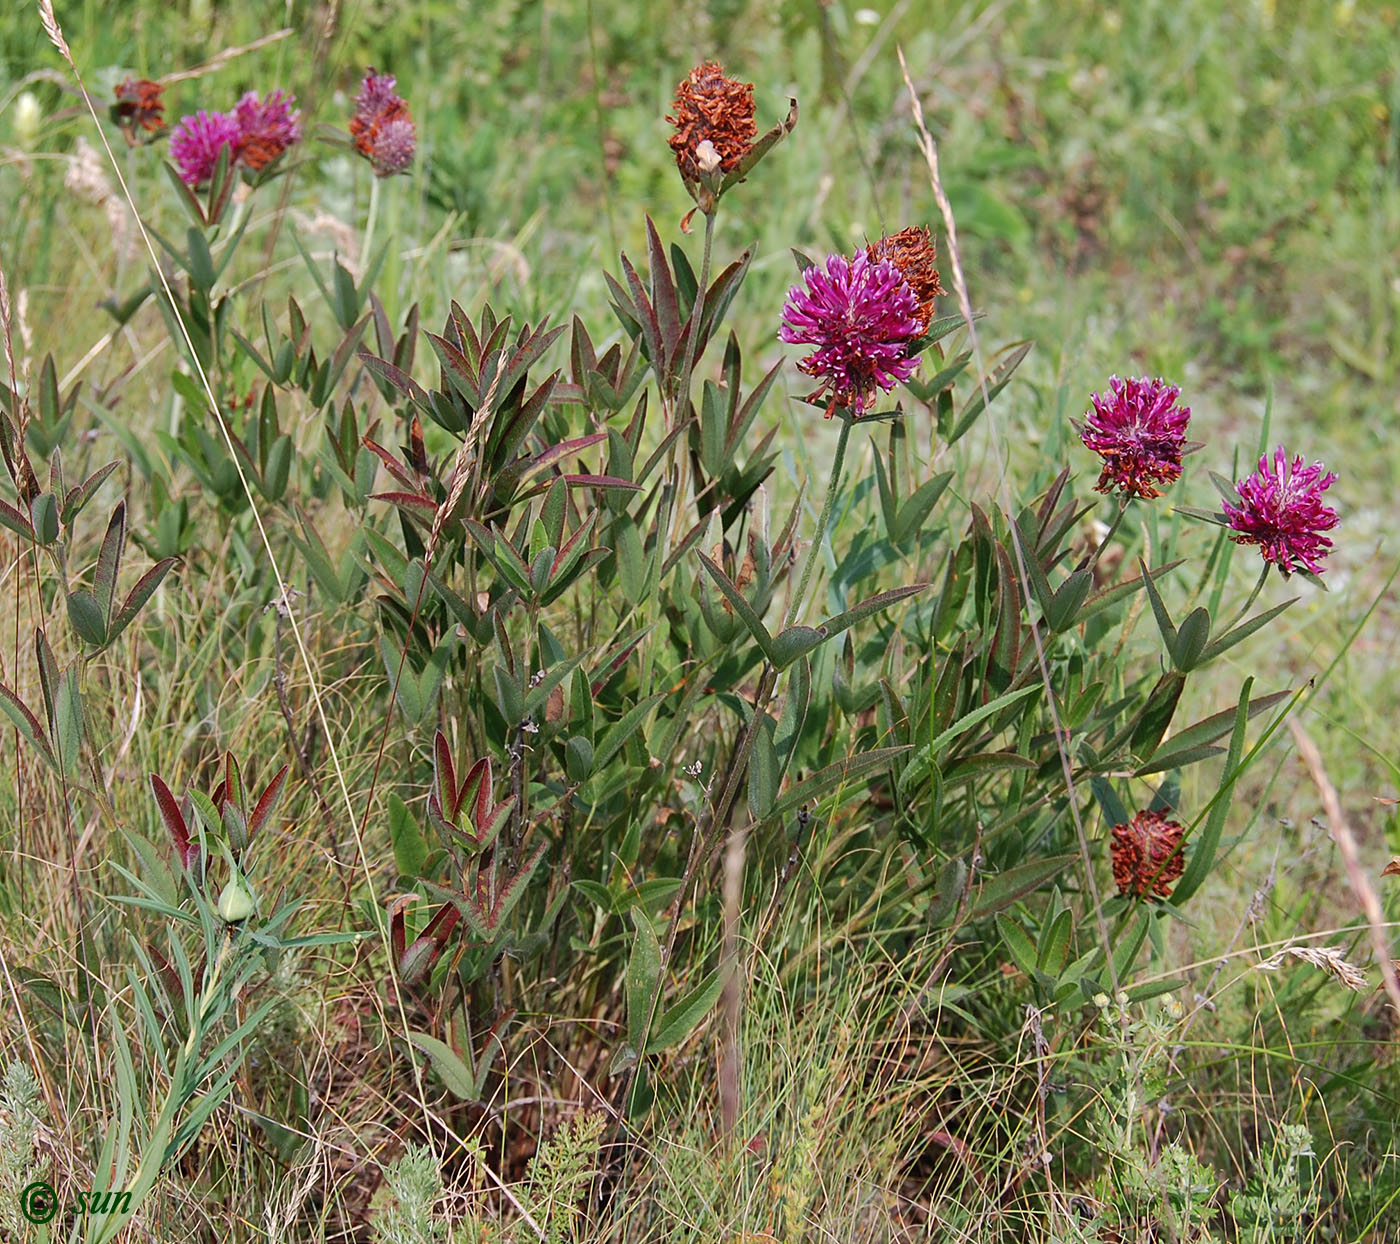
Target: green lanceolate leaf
(683,1018)
(1018,943)
(145,588)
(1243,631)
(794,643)
(1157,713)
(410,847)
(68,720)
(763,769)
(745,611)
(1159,609)
(927,755)
(1052,952)
(86,616)
(997,379)
(1207,842)
(643,971)
(1001,891)
(455,1074)
(1191,637)
(1195,742)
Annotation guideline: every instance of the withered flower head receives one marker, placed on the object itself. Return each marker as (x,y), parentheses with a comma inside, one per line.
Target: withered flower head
(382,126)
(716,110)
(266,128)
(1145,854)
(912,251)
(138,103)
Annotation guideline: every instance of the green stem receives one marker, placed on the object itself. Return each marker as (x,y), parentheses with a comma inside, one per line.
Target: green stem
(367,246)
(820,536)
(671,499)
(1253,596)
(1120,511)
(697,313)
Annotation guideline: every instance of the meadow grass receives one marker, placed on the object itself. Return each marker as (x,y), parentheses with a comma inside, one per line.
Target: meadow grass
(1198,190)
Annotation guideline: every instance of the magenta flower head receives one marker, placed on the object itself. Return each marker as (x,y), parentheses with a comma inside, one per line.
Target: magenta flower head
(382,127)
(1140,432)
(1281,510)
(862,316)
(266,127)
(197,141)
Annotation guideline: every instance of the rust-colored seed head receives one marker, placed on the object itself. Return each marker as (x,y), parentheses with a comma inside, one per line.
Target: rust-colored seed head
(1145,854)
(139,103)
(713,108)
(382,126)
(366,129)
(912,251)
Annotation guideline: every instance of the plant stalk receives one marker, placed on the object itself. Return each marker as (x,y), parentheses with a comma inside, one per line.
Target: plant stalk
(819,537)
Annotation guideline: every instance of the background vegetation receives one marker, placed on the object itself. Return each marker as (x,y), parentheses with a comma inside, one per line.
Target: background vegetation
(1198,190)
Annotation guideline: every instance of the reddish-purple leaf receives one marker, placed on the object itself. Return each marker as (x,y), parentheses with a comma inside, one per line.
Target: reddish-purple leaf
(600,481)
(411,503)
(478,781)
(16,522)
(139,595)
(187,851)
(267,801)
(169,977)
(108,559)
(563,449)
(663,289)
(26,723)
(514,889)
(396,377)
(82,493)
(395,467)
(445,775)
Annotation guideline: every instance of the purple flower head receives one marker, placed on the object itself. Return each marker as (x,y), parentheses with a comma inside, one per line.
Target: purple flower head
(266,127)
(382,127)
(1281,510)
(1139,431)
(862,316)
(377,93)
(197,141)
(391,148)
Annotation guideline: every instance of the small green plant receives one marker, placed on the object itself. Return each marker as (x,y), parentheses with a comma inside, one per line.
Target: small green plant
(414,1184)
(22,1114)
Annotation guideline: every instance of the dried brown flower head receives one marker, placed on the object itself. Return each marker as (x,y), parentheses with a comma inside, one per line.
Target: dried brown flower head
(382,126)
(912,251)
(1146,855)
(714,122)
(138,103)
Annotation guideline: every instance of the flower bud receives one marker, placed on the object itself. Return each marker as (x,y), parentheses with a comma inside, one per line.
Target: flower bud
(235,903)
(27,116)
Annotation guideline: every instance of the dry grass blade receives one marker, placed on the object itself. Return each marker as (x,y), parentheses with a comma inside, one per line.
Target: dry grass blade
(1328,958)
(216,63)
(22,408)
(1351,858)
(461,467)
